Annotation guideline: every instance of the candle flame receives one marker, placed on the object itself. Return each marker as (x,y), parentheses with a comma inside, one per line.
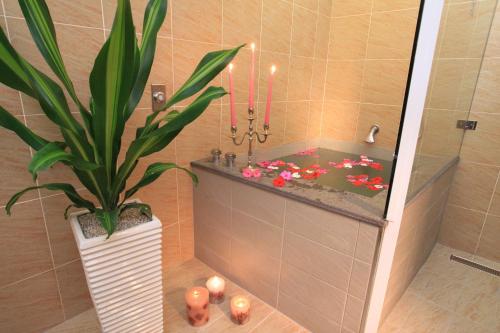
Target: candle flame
(196,293)
(273,69)
(230,67)
(252,46)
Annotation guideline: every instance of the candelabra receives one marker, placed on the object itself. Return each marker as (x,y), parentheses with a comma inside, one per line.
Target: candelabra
(252,134)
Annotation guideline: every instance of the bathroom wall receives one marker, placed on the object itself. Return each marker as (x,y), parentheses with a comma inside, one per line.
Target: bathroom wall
(368,59)
(41,279)
(472,218)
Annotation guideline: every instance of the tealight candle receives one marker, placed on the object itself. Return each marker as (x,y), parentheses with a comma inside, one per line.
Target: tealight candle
(240,309)
(215,286)
(197,306)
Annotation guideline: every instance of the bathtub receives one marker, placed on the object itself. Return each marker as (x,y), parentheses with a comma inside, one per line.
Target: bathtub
(307,248)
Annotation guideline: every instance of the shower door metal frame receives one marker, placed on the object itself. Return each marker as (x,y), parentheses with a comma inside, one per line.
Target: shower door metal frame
(424,46)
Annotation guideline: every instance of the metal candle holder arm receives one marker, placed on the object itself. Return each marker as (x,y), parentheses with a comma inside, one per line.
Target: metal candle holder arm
(251,133)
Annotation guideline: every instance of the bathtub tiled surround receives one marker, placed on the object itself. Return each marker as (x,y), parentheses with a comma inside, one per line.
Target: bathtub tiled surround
(417,236)
(310,264)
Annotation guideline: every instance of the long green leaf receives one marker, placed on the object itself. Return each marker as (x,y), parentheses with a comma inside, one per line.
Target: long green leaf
(10,122)
(153,172)
(162,136)
(208,68)
(53,153)
(108,219)
(13,73)
(143,208)
(111,82)
(68,189)
(40,24)
(154,16)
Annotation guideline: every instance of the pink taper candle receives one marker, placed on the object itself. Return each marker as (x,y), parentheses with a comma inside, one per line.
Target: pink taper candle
(231,96)
(269,96)
(252,78)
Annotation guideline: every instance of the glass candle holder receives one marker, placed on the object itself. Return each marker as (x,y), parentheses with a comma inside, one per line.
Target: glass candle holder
(216,286)
(240,309)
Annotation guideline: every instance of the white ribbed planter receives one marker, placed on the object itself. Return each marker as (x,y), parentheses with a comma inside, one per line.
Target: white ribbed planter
(124,276)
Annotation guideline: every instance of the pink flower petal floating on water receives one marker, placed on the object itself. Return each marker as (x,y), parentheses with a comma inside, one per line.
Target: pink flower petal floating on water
(308,152)
(247,173)
(296,175)
(256,173)
(264,164)
(286,175)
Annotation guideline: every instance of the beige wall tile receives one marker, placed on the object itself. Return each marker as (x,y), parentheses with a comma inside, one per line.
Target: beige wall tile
(171,247)
(303,32)
(344,8)
(387,117)
(314,122)
(261,204)
(31,305)
(392,34)
(309,4)
(62,241)
(186,229)
(10,100)
(297,115)
(384,81)
(460,228)
(24,246)
(73,287)
(325,7)
(495,204)
(446,84)
(473,186)
(14,174)
(276,124)
(343,80)
(187,17)
(440,135)
(482,145)
(278,323)
(255,270)
(490,238)
(86,14)
(367,242)
(353,314)
(318,79)
(261,236)
(485,98)
(321,262)
(340,120)
(348,37)
(322,36)
(190,146)
(314,293)
(276,26)
(360,278)
(299,84)
(241,21)
(493,46)
(280,81)
(185,187)
(387,5)
(306,316)
(334,231)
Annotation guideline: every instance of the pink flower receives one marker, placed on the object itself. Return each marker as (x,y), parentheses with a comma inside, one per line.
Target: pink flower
(286,175)
(256,173)
(247,173)
(321,171)
(263,164)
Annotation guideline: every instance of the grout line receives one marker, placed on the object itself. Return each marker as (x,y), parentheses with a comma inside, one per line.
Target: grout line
(26,278)
(263,320)
(486,215)
(363,75)
(289,72)
(103,21)
(281,255)
(330,27)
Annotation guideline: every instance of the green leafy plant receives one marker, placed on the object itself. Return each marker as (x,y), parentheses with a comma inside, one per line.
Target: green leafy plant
(117,82)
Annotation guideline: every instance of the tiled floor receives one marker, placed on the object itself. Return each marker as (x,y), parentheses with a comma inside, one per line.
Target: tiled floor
(448,297)
(263,319)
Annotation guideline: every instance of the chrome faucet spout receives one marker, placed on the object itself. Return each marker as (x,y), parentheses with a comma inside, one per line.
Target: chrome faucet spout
(371,135)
